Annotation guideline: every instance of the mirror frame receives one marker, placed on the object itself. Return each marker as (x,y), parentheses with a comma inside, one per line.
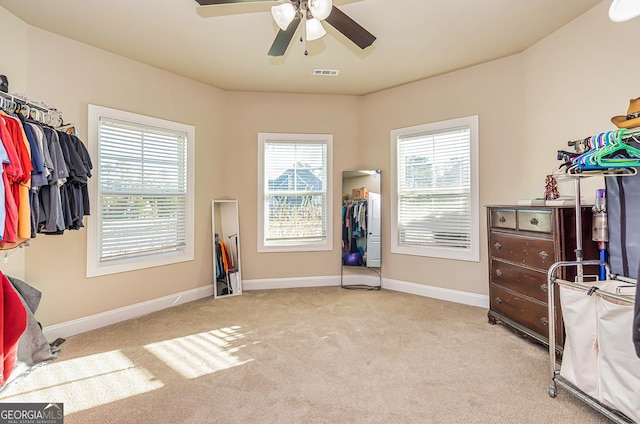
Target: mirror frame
(357,186)
(225,227)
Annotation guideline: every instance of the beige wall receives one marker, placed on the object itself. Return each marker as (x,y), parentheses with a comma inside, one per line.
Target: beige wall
(70,76)
(13,64)
(492,91)
(247,114)
(529,105)
(575,81)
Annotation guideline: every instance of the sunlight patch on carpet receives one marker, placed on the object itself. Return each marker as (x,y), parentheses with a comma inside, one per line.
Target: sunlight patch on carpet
(85,382)
(201,354)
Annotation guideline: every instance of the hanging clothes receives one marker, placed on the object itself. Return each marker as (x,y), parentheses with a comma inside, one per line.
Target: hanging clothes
(11,176)
(45,173)
(13,322)
(224,256)
(21,188)
(354,224)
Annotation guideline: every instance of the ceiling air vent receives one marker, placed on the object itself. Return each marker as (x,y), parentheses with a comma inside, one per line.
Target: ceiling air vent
(326,72)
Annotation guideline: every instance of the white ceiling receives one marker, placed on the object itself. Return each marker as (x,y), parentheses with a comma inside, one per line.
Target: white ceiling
(416,39)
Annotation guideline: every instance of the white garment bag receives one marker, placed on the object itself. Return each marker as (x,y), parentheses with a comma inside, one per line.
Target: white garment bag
(599,356)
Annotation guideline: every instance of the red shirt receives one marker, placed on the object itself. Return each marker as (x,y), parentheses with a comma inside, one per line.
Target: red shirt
(13,322)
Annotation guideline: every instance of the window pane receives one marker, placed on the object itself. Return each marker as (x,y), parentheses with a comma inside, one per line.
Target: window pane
(296,217)
(294,206)
(434,195)
(295,191)
(142,190)
(435,204)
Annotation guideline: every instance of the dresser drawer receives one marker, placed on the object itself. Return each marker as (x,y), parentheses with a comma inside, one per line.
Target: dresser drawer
(522,280)
(525,312)
(538,221)
(503,218)
(529,251)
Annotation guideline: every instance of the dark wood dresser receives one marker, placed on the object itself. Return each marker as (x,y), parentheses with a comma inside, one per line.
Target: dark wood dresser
(524,241)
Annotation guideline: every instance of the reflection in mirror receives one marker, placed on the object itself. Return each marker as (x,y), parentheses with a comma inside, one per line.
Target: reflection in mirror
(226,248)
(361,244)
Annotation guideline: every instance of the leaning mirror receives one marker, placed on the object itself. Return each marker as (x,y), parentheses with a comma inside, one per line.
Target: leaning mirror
(227,279)
(361,244)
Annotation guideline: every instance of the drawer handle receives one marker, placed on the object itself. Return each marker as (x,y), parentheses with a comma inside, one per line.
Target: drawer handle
(543,288)
(498,273)
(497,246)
(544,321)
(534,221)
(543,255)
(502,219)
(498,300)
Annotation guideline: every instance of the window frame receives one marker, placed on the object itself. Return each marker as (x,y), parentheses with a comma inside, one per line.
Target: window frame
(94,266)
(291,246)
(471,254)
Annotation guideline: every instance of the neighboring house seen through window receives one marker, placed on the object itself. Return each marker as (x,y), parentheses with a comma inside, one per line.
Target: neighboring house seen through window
(435,190)
(294,205)
(143,192)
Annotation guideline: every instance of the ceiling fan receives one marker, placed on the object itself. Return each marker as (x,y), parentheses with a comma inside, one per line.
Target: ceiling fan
(289,13)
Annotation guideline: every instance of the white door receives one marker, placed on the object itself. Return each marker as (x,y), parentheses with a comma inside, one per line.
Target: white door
(373,231)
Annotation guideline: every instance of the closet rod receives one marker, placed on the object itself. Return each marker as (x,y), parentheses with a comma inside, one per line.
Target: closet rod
(46,115)
(628,134)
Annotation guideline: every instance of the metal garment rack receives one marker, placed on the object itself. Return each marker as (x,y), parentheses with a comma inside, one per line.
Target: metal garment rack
(31,109)
(557,379)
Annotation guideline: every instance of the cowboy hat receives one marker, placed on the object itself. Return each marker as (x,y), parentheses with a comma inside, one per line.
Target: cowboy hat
(632,118)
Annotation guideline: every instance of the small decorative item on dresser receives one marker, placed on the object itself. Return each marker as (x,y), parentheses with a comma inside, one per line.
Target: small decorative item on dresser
(551,188)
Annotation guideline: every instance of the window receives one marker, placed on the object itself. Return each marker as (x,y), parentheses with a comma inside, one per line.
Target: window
(434,209)
(294,199)
(143,193)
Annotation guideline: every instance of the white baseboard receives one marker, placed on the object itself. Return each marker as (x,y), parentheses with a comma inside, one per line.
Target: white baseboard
(457,296)
(290,283)
(103,319)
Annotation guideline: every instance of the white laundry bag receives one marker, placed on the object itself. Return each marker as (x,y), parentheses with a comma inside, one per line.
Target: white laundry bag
(599,357)
(580,354)
(617,361)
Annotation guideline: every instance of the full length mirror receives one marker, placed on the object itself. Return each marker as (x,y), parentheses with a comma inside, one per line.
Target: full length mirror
(361,218)
(227,279)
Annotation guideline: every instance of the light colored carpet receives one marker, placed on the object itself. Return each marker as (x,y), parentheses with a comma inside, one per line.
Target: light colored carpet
(309,355)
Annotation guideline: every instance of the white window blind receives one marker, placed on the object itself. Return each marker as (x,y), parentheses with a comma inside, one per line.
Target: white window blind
(436,195)
(143,189)
(295,204)
(143,194)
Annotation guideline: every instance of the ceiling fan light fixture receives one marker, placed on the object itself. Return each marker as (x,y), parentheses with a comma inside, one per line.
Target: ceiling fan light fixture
(315,29)
(624,10)
(320,9)
(283,14)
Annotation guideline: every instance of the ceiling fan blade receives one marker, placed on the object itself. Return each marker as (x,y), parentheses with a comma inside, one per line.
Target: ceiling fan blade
(283,38)
(212,2)
(215,8)
(350,28)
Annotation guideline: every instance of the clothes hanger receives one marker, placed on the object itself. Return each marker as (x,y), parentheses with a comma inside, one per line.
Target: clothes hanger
(608,156)
(585,160)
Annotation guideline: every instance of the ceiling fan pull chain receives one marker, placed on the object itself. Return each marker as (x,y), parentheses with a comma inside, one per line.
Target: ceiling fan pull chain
(303,32)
